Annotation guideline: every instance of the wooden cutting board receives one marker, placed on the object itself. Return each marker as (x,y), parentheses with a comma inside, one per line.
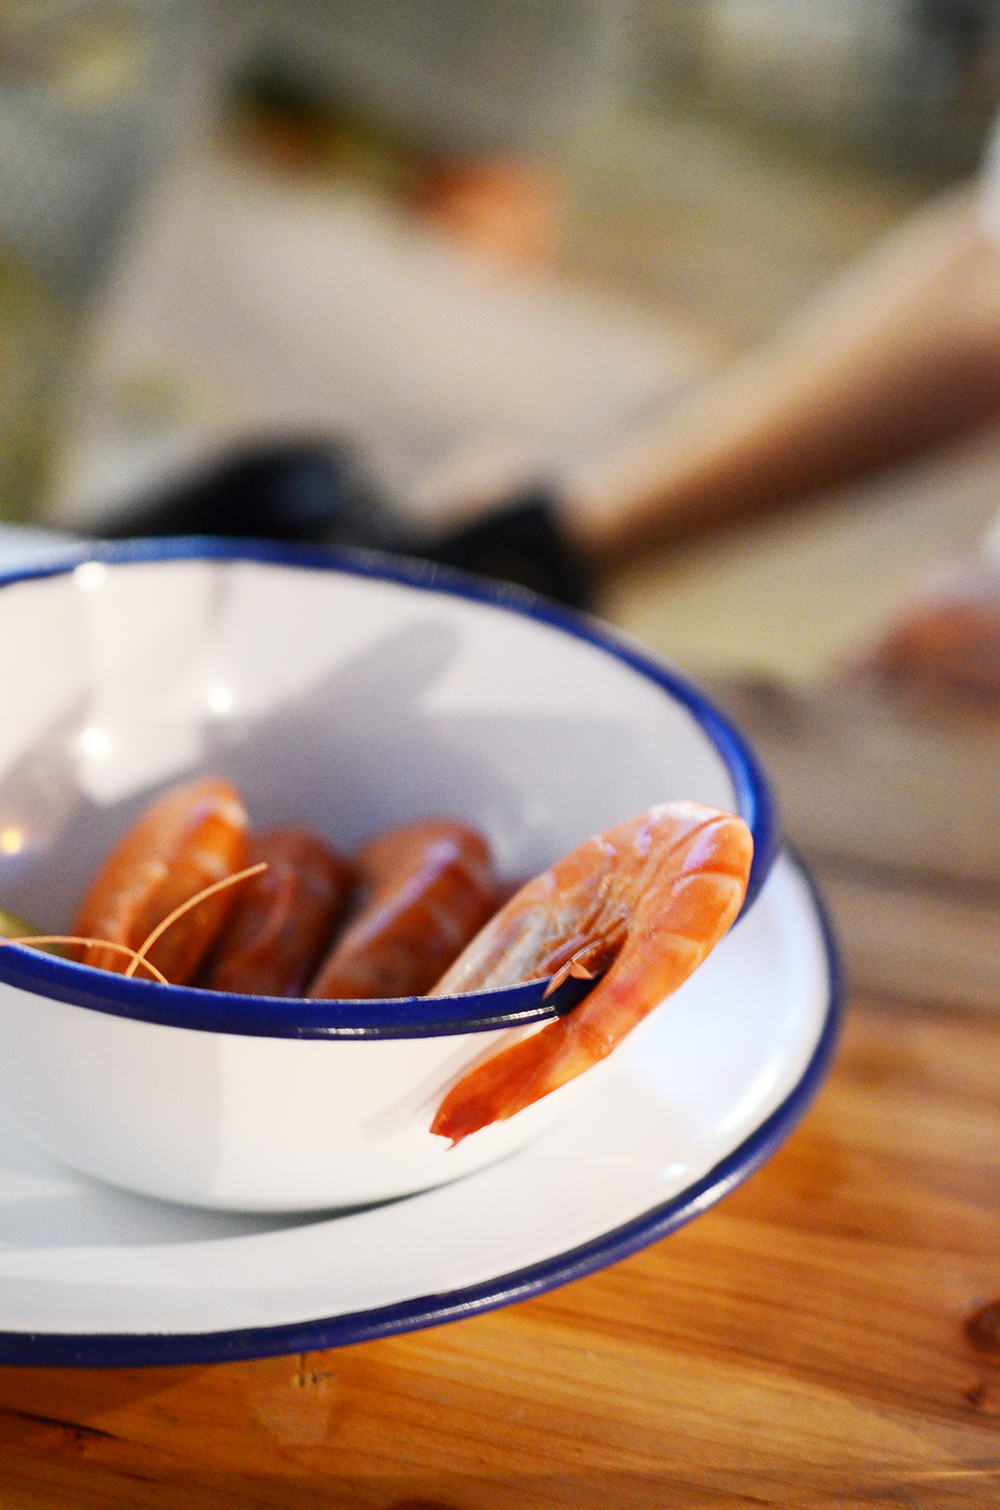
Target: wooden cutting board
(894,803)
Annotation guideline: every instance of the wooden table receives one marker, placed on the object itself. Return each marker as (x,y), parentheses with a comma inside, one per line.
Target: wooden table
(816,1340)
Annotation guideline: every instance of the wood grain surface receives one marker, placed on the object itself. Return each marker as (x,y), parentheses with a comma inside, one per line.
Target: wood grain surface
(810,1342)
(891,797)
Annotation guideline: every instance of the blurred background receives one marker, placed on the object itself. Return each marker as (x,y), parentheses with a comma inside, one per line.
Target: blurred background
(651,185)
(468,246)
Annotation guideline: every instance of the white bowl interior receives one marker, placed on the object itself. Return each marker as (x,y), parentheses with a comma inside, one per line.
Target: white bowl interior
(340,702)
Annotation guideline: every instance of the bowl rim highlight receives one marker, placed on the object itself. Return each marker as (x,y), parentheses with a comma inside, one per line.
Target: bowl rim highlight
(398,1017)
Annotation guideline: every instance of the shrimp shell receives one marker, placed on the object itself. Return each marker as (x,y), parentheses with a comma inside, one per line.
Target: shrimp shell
(644,901)
(282,921)
(190,837)
(425,889)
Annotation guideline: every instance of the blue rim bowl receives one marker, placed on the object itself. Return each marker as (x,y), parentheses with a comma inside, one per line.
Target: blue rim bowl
(405,1017)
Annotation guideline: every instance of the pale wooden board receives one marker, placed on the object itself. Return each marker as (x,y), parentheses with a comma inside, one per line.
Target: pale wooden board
(877,777)
(914,942)
(894,803)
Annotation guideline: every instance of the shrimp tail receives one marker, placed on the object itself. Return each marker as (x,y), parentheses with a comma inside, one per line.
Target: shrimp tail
(524,1072)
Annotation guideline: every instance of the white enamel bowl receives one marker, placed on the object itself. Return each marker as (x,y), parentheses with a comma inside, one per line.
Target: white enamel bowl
(345,695)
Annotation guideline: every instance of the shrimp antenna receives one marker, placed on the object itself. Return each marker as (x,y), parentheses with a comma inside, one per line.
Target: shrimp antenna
(37,940)
(178,912)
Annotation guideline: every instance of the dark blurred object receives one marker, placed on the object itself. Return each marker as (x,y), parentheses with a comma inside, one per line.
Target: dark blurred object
(313,493)
(519,543)
(304,491)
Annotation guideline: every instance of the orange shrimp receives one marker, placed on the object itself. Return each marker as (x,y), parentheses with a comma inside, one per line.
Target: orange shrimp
(425,890)
(282,920)
(186,840)
(645,900)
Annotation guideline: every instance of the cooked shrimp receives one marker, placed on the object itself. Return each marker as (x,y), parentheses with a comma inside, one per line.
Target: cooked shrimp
(283,918)
(644,901)
(425,889)
(191,837)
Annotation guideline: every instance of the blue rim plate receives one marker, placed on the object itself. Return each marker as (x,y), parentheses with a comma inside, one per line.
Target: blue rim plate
(410,1016)
(592,1191)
